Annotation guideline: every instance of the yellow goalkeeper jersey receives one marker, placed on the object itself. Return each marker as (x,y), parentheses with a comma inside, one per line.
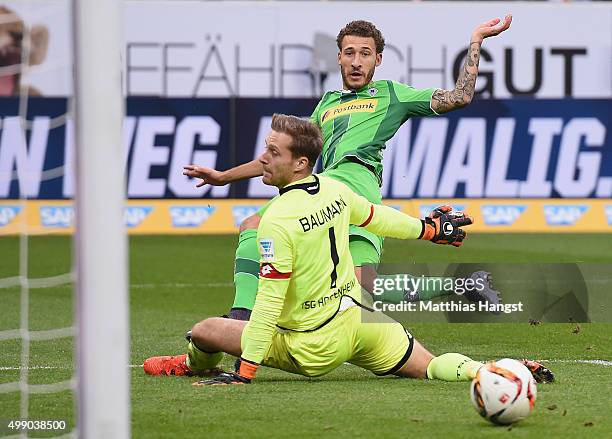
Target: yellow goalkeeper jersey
(305,263)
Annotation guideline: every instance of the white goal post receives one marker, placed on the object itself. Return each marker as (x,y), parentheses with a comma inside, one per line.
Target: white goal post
(101,243)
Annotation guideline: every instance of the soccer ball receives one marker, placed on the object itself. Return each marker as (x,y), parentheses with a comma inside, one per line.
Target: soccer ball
(504,391)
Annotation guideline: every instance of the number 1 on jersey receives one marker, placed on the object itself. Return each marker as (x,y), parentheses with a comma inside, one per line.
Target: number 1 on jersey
(334,257)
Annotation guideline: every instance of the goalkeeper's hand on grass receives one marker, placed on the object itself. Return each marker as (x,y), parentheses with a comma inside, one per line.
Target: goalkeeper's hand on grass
(224,378)
(443,226)
(244,376)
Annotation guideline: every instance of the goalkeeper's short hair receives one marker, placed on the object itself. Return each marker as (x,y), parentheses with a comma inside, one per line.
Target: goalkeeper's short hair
(307,141)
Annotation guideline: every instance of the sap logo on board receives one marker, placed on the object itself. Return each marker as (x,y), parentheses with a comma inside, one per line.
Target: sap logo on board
(57,216)
(564,215)
(134,215)
(8,214)
(502,215)
(426,209)
(190,216)
(609,214)
(242,212)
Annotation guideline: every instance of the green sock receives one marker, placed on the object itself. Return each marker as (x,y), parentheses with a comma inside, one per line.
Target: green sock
(246,270)
(198,360)
(452,367)
(428,288)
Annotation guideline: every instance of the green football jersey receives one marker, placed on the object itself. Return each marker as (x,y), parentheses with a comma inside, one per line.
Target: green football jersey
(356,124)
(305,264)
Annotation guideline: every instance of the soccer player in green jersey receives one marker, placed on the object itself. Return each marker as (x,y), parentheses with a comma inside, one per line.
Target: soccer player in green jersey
(309,316)
(356,122)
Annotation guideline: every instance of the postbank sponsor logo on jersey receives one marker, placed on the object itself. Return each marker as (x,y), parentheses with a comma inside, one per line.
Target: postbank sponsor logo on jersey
(502,215)
(8,214)
(356,106)
(609,214)
(190,216)
(242,212)
(134,215)
(426,209)
(564,215)
(266,249)
(56,216)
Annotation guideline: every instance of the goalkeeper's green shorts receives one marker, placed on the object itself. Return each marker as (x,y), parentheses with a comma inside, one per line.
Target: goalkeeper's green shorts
(365,247)
(366,339)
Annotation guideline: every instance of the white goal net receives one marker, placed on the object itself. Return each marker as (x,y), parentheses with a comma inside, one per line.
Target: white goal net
(63,265)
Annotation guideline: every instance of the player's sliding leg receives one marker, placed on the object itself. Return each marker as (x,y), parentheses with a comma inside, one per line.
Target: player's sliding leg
(246,269)
(209,339)
(457,367)
(446,367)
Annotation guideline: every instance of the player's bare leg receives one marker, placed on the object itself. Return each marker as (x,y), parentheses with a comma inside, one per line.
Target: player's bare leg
(416,366)
(366,275)
(217,334)
(456,367)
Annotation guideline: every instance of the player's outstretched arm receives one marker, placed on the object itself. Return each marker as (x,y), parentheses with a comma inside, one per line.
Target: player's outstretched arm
(444,101)
(221,178)
(442,226)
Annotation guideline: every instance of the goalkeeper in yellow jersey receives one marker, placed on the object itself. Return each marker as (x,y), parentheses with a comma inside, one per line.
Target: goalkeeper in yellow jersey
(308,316)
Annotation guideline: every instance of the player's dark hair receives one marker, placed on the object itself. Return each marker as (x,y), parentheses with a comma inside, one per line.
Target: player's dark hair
(306,136)
(361,28)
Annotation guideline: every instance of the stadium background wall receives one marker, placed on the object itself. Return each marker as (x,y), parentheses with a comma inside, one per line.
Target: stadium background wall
(533,149)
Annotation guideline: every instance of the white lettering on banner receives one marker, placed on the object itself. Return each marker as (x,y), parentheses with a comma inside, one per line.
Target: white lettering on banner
(134,215)
(426,209)
(465,162)
(69,160)
(129,125)
(497,185)
(56,216)
(564,215)
(242,212)
(146,153)
(8,214)
(572,162)
(187,131)
(543,131)
(609,214)
(416,167)
(423,159)
(501,215)
(27,159)
(190,216)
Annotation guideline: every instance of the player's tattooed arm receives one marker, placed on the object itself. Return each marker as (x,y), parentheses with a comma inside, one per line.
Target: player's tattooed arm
(444,101)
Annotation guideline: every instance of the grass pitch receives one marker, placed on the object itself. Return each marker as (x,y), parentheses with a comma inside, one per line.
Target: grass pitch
(176,281)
